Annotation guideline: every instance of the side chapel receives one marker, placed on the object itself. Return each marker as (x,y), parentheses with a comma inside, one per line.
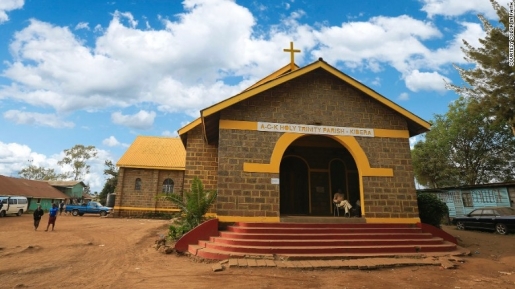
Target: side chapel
(283,147)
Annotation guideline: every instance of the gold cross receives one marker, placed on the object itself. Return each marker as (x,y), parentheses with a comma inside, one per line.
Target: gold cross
(292,51)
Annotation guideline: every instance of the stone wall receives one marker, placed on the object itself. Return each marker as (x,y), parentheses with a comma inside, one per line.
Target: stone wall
(201,161)
(315,98)
(146,200)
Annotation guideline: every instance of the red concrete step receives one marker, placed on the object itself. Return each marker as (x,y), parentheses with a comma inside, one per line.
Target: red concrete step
(314,230)
(318,225)
(324,242)
(411,248)
(212,254)
(327,240)
(286,236)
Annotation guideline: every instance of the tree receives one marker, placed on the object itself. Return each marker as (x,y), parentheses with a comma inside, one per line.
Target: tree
(77,158)
(464,148)
(194,205)
(110,184)
(491,82)
(33,172)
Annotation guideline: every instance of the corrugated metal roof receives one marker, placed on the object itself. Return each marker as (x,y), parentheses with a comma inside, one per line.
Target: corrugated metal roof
(164,153)
(65,183)
(29,188)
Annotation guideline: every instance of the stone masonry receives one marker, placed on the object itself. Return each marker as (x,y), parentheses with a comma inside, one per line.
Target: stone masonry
(315,98)
(149,194)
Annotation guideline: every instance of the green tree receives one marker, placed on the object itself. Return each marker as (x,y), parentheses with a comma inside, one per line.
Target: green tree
(110,185)
(491,82)
(77,158)
(464,148)
(33,172)
(194,205)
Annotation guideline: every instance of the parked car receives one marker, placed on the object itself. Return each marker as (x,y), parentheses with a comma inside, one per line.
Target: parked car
(499,219)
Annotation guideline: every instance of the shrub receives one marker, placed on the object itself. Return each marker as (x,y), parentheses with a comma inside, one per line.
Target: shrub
(431,209)
(194,204)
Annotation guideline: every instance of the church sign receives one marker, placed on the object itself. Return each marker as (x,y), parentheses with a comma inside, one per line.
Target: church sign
(315,129)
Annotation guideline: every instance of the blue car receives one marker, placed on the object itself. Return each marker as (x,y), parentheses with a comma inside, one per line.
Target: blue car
(499,219)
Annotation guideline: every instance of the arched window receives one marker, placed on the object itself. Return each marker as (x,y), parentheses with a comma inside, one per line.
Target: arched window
(137,184)
(168,186)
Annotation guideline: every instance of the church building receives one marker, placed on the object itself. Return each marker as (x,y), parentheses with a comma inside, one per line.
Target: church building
(282,148)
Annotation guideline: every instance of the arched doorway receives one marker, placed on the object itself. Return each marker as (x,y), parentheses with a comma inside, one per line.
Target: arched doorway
(312,169)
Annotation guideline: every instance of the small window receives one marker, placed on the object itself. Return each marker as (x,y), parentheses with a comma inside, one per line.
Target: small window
(13,202)
(467,200)
(137,184)
(22,201)
(168,186)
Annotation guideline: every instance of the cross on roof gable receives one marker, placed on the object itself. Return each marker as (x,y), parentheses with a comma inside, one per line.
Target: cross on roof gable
(209,118)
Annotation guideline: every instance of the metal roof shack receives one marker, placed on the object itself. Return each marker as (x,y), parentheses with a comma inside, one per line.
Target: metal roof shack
(28,188)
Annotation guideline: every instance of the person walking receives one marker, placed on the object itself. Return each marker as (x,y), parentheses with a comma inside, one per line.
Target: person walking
(61,207)
(52,216)
(37,217)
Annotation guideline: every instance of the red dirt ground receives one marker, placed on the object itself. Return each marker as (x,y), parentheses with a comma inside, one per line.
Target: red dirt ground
(94,252)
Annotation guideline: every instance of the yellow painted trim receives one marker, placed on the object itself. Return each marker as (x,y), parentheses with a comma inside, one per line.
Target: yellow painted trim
(253,126)
(238,125)
(189,126)
(272,76)
(391,133)
(299,72)
(230,219)
(349,142)
(392,220)
(145,209)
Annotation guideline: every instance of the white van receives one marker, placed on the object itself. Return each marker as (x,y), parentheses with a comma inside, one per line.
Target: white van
(13,205)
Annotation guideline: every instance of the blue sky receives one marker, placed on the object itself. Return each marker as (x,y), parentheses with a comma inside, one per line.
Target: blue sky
(102,72)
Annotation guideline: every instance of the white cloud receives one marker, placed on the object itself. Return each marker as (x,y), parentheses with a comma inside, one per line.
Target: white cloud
(376,81)
(169,133)
(141,120)
(459,7)
(111,141)
(379,40)
(417,81)
(52,67)
(37,119)
(9,5)
(14,157)
(82,25)
(403,96)
(182,67)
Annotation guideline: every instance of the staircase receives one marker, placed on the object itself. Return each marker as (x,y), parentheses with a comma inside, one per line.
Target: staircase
(318,241)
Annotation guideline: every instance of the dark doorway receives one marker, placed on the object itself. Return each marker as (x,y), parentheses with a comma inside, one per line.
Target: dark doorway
(313,168)
(294,185)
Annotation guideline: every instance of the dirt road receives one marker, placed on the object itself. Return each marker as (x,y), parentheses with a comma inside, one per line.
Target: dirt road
(94,252)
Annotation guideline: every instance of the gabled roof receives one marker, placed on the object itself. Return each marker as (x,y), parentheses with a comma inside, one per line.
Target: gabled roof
(150,152)
(210,116)
(66,184)
(29,188)
(281,71)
